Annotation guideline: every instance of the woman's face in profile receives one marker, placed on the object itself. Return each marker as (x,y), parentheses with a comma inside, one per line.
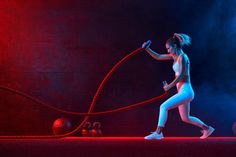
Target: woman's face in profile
(170,49)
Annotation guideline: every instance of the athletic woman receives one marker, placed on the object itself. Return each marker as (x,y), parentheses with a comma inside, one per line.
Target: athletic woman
(185,94)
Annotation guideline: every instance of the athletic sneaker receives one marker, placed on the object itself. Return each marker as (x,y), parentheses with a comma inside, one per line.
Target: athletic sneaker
(207,132)
(154,136)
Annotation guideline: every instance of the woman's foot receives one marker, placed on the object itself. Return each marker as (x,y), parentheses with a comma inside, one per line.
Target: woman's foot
(154,136)
(207,132)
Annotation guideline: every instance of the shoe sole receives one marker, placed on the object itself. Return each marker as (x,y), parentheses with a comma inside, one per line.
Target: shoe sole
(154,138)
(209,134)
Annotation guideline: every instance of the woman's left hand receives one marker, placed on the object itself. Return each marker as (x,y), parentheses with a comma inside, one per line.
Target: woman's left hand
(166,87)
(146,44)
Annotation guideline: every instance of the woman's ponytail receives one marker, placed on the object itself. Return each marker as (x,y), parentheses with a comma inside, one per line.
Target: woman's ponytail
(183,39)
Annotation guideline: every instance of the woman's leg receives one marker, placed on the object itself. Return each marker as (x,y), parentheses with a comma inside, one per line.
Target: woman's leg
(184,111)
(178,100)
(174,101)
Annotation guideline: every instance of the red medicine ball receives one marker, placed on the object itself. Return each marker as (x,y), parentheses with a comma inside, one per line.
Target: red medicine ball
(61,126)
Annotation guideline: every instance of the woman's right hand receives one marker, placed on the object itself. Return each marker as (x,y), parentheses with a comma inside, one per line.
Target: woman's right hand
(146,44)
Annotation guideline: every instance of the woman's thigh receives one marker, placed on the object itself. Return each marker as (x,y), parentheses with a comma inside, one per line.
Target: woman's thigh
(176,100)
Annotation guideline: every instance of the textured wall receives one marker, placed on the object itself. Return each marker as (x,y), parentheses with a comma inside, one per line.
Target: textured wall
(59,51)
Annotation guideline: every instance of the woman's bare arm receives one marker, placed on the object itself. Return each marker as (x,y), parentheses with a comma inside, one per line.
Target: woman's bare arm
(158,56)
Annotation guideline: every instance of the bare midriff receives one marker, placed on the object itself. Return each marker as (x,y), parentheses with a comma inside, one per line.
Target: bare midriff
(184,79)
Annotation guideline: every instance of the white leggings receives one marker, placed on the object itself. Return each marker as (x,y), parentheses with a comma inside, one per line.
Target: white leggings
(181,100)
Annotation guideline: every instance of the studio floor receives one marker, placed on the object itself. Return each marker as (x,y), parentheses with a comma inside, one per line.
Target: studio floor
(119,146)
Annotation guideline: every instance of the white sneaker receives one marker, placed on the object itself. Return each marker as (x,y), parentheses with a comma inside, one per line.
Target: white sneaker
(154,136)
(207,132)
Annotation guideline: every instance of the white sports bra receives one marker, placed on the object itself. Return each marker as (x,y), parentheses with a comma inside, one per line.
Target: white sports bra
(176,67)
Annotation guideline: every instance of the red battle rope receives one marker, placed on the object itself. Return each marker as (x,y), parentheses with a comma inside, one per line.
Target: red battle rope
(92,105)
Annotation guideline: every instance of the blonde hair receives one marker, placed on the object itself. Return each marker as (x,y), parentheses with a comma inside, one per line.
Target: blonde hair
(180,40)
(184,39)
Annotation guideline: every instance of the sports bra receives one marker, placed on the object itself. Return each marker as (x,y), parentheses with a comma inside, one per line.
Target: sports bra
(176,67)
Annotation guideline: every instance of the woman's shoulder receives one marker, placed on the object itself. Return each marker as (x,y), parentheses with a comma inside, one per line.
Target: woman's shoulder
(184,55)
(184,58)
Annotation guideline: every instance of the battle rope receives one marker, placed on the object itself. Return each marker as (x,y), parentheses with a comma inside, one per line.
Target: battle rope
(127,107)
(92,105)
